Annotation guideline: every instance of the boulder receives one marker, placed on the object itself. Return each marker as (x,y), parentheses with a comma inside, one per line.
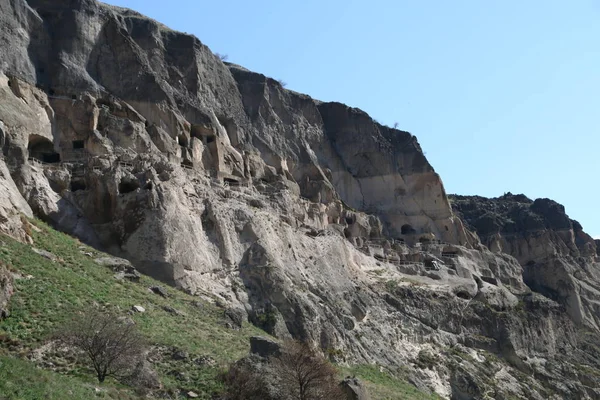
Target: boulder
(264,346)
(354,389)
(45,254)
(138,309)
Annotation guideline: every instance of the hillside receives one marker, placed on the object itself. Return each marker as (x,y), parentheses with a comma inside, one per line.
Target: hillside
(304,219)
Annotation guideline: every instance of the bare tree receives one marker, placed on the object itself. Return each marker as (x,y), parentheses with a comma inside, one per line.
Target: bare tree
(243,383)
(306,375)
(112,346)
(222,57)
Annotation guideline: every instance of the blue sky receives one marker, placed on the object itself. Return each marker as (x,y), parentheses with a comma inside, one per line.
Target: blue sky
(502,95)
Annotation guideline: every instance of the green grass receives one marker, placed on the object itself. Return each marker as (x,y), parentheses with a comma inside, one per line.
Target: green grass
(50,293)
(383,386)
(19,379)
(59,289)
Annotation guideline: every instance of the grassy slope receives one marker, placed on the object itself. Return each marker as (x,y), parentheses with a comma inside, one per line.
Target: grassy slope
(58,289)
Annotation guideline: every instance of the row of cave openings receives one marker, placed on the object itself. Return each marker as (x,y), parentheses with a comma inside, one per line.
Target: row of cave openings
(42,149)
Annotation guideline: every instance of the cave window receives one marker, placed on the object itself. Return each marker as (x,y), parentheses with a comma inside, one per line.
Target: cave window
(349,220)
(51,92)
(9,83)
(128,186)
(77,185)
(78,144)
(42,149)
(407,229)
(147,123)
(73,97)
(446,226)
(182,140)
(51,158)
(231,181)
(210,139)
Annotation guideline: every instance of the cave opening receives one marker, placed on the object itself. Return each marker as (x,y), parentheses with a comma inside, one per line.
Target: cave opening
(128,186)
(78,185)
(407,229)
(42,149)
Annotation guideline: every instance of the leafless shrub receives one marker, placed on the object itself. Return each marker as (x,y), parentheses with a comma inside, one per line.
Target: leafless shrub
(282,82)
(112,347)
(243,383)
(306,375)
(222,57)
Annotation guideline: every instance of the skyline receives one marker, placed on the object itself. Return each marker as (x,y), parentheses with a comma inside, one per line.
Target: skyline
(502,97)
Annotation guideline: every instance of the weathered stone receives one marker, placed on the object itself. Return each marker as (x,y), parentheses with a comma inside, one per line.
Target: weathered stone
(354,389)
(45,254)
(159,290)
(264,346)
(235,316)
(138,309)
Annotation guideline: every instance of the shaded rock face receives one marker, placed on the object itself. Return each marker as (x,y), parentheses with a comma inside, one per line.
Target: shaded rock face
(559,259)
(309,219)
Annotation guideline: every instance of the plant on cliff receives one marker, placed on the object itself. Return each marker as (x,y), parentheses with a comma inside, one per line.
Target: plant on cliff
(111,346)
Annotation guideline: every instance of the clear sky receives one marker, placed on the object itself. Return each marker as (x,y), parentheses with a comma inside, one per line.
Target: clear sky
(502,95)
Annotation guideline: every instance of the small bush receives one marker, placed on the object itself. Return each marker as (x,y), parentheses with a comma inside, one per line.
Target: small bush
(243,383)
(222,57)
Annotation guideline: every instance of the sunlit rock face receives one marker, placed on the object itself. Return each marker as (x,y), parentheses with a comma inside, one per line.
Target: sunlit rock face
(316,221)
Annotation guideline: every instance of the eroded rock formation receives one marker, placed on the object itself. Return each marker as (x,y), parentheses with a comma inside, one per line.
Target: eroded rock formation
(308,218)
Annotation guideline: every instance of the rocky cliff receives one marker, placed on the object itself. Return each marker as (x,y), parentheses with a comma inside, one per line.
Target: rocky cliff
(312,219)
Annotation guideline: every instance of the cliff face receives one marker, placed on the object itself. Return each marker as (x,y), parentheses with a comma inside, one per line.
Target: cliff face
(559,259)
(310,217)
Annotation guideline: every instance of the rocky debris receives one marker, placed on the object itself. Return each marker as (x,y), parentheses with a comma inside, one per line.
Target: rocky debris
(115,263)
(159,290)
(172,310)
(264,346)
(205,361)
(6,291)
(354,389)
(122,268)
(138,309)
(235,317)
(45,254)
(179,355)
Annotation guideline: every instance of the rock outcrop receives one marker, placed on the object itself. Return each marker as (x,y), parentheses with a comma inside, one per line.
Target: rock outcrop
(307,218)
(559,259)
